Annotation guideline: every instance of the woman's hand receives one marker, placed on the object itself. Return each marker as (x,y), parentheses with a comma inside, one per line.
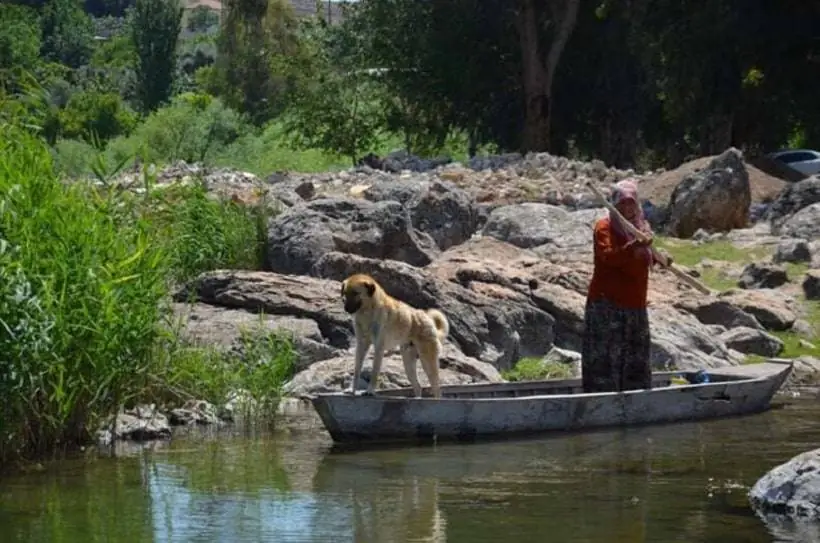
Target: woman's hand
(636,243)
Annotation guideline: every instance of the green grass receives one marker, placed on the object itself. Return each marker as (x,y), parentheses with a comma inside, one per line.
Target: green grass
(536,369)
(85,278)
(686,253)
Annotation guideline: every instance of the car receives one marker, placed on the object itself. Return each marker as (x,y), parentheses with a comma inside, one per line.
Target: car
(805,161)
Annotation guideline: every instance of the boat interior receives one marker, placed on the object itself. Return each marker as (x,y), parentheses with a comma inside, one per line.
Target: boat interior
(553,386)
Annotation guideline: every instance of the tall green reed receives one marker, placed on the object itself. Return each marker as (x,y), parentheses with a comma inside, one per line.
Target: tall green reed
(86,297)
(86,271)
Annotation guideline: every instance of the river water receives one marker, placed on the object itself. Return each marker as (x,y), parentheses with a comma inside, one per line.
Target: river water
(685,482)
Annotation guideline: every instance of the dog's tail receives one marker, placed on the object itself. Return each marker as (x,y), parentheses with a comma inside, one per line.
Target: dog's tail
(441,322)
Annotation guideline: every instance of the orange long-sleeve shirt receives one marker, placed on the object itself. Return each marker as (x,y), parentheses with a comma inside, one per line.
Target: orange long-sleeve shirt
(621,275)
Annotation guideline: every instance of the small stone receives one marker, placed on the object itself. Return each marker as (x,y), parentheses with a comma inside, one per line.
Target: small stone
(763,276)
(811,285)
(792,250)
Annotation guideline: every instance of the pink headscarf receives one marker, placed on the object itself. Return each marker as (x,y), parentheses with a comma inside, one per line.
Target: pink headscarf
(628,190)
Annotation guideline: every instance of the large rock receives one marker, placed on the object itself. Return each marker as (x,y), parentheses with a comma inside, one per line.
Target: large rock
(752,341)
(300,236)
(805,224)
(811,285)
(763,275)
(336,374)
(792,199)
(680,341)
(441,209)
(716,198)
(305,298)
(791,489)
(496,325)
(223,328)
(716,311)
(792,250)
(543,228)
(771,309)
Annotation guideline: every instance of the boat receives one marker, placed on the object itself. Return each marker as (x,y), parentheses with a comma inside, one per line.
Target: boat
(486,410)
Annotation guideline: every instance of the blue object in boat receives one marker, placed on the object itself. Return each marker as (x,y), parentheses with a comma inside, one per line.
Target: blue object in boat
(698,378)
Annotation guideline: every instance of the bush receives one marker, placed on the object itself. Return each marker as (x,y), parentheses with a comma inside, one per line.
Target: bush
(81,301)
(203,233)
(187,129)
(85,274)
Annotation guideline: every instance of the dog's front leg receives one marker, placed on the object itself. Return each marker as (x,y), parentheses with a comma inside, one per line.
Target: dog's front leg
(378,355)
(362,346)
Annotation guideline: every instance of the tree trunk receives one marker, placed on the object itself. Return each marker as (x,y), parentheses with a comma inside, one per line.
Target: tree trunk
(538,72)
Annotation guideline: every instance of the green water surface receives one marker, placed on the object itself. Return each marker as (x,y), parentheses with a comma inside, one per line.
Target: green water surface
(685,482)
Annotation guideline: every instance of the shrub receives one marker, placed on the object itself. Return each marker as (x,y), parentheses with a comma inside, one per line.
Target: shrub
(85,273)
(189,129)
(81,301)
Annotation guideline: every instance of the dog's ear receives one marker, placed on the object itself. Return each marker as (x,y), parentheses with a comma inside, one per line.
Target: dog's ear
(371,288)
(344,287)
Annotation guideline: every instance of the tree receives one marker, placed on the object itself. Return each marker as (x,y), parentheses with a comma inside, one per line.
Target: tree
(539,22)
(67,33)
(155,29)
(256,36)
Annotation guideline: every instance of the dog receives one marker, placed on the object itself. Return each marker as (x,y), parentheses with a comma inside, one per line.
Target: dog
(384,322)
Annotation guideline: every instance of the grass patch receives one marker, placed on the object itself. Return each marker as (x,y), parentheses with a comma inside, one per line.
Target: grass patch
(689,254)
(255,373)
(85,278)
(536,369)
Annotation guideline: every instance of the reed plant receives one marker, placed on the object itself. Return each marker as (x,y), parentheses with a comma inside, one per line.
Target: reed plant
(86,272)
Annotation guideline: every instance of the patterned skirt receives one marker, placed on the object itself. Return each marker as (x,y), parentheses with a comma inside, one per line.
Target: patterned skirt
(616,346)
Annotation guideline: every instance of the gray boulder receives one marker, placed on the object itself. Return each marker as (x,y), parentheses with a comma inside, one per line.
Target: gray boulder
(792,199)
(716,199)
(791,489)
(543,228)
(441,209)
(300,236)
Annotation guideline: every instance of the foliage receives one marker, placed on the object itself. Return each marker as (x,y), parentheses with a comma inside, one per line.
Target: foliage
(204,233)
(84,297)
(86,273)
(536,369)
(67,33)
(337,107)
(189,128)
(155,32)
(255,37)
(96,116)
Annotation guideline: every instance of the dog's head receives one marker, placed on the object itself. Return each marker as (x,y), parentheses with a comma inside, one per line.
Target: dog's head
(358,291)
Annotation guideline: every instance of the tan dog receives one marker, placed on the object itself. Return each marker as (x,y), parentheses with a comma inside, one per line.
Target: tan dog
(385,323)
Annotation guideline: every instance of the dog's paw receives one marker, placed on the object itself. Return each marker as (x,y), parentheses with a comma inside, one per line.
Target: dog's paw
(368,392)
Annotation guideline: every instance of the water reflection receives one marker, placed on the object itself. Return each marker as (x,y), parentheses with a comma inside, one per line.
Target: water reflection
(677,483)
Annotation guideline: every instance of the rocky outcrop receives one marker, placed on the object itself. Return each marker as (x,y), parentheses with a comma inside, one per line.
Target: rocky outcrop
(757,275)
(792,250)
(752,341)
(545,229)
(811,285)
(445,212)
(502,245)
(804,224)
(716,199)
(792,199)
(300,236)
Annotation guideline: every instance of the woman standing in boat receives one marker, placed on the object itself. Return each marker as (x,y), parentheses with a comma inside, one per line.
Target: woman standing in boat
(616,344)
